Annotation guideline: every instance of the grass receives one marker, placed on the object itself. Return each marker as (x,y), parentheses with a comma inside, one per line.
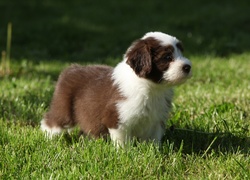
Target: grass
(208,134)
(210,138)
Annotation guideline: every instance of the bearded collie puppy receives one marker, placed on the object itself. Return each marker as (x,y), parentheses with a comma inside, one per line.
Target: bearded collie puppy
(131,100)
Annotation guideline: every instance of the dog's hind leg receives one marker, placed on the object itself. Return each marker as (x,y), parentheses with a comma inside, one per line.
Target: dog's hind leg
(50,130)
(60,115)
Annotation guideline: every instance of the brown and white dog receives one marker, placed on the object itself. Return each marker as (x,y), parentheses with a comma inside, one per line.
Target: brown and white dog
(131,100)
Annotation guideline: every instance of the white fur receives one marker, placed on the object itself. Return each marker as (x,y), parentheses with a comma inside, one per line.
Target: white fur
(174,75)
(50,131)
(138,114)
(165,39)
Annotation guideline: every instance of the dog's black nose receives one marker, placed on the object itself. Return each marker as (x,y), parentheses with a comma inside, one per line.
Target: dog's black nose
(186,68)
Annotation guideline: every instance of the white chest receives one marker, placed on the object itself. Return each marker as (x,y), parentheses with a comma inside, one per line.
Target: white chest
(145,103)
(141,112)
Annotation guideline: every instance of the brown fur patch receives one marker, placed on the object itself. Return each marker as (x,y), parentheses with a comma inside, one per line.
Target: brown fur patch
(85,96)
(139,58)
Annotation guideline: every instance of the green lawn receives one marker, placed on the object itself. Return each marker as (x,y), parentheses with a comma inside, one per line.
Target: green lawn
(208,134)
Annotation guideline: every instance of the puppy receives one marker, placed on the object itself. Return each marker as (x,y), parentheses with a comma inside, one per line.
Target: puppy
(131,100)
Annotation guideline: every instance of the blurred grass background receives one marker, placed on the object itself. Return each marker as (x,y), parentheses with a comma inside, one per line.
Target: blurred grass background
(94,31)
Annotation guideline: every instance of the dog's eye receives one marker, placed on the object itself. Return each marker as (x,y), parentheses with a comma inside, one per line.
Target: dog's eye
(168,57)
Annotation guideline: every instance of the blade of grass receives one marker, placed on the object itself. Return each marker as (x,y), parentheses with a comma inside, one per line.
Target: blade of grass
(3,63)
(247,172)
(209,147)
(8,46)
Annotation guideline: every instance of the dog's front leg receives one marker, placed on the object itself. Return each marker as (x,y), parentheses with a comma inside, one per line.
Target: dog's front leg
(119,137)
(157,132)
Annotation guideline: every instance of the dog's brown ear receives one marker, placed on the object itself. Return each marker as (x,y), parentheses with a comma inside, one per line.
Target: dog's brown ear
(139,58)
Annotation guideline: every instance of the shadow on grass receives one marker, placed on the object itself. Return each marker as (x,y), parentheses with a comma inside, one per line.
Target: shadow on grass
(200,142)
(190,141)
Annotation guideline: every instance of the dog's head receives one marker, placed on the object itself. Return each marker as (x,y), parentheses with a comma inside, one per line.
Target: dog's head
(158,57)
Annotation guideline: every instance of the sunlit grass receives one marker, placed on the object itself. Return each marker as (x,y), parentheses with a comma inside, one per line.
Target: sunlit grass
(207,136)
